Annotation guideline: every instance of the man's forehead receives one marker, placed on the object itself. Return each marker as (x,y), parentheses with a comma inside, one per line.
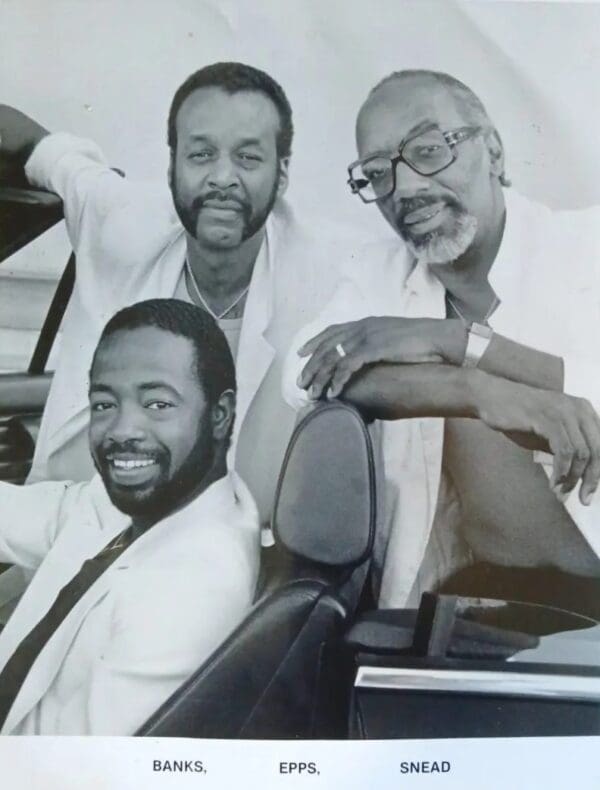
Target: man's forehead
(144,353)
(214,111)
(402,106)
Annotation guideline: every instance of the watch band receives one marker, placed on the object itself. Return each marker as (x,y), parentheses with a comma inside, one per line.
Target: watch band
(478,339)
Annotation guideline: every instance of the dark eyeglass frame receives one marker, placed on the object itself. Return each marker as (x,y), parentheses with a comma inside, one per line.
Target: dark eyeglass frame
(452,137)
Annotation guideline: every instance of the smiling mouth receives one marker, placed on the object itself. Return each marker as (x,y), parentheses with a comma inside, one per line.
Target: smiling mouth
(422,215)
(141,463)
(131,471)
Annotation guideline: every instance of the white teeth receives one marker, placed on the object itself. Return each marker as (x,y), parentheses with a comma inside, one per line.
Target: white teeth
(132,464)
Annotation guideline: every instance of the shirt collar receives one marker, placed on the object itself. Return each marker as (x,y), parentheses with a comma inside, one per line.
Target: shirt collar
(219,498)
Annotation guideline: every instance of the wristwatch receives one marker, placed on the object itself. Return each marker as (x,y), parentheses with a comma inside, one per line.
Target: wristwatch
(478,339)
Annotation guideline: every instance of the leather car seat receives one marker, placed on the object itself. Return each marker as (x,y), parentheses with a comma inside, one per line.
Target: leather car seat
(282,673)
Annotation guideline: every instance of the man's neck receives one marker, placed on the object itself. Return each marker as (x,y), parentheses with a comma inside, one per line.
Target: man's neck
(222,274)
(467,278)
(217,471)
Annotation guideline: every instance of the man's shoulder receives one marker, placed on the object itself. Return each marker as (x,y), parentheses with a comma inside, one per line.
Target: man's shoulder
(533,210)
(331,240)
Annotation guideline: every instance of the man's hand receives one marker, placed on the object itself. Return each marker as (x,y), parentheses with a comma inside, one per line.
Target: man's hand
(567,426)
(376,339)
(19,134)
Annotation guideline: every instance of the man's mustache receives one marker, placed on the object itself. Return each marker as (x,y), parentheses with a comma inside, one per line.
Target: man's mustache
(218,195)
(128,447)
(404,206)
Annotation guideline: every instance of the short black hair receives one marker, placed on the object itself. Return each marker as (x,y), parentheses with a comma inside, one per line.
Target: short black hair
(235,78)
(215,366)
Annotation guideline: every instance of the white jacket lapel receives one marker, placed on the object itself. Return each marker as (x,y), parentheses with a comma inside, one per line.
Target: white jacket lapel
(255,353)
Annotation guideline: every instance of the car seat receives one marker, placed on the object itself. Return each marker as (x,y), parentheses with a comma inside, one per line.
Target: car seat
(283,672)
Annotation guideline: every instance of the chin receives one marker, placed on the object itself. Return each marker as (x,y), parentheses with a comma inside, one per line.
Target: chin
(442,246)
(133,503)
(220,238)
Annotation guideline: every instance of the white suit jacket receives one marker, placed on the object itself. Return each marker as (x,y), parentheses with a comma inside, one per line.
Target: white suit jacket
(547,275)
(130,246)
(147,622)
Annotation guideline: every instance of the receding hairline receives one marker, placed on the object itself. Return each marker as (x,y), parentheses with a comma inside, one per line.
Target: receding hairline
(465,98)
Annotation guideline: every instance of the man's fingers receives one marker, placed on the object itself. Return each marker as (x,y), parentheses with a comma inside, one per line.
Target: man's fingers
(343,372)
(561,448)
(580,456)
(323,376)
(325,336)
(591,475)
(321,364)
(327,354)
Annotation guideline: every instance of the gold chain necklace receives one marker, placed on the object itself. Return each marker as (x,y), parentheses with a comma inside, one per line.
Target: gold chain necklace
(216,316)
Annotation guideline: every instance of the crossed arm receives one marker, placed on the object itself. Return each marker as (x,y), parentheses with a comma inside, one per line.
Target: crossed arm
(398,368)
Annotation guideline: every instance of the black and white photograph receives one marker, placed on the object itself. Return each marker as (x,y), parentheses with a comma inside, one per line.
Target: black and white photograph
(299,377)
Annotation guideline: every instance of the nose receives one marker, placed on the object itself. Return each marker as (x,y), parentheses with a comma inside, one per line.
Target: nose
(223,174)
(409,183)
(127,423)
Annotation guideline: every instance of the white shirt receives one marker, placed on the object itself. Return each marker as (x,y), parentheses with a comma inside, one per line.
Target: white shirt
(547,276)
(146,624)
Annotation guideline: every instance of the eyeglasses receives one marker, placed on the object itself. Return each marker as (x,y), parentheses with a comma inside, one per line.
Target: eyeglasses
(427,153)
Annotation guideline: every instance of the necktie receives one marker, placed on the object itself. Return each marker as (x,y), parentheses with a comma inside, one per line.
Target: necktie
(17,667)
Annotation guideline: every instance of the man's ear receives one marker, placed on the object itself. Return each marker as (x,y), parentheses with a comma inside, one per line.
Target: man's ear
(223,415)
(495,149)
(171,167)
(283,177)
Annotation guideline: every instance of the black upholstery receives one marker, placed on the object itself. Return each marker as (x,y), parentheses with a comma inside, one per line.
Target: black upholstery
(280,674)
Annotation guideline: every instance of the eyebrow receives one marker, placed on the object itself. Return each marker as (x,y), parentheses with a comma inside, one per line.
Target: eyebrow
(99,388)
(144,387)
(413,131)
(421,126)
(157,385)
(204,138)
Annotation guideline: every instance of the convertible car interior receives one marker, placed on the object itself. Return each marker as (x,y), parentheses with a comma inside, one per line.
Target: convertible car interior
(314,658)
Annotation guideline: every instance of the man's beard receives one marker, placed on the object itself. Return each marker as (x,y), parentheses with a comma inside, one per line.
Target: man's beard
(188,214)
(442,245)
(166,494)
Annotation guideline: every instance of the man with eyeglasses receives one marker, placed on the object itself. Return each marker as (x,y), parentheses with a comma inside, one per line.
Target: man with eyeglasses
(473,341)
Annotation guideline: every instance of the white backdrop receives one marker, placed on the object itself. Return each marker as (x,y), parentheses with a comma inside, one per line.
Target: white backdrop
(108,68)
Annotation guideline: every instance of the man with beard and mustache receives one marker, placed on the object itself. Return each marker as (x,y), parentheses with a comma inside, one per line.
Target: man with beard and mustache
(232,246)
(410,340)
(143,571)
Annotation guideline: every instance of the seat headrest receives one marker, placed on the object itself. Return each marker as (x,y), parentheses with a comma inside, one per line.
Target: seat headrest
(325,500)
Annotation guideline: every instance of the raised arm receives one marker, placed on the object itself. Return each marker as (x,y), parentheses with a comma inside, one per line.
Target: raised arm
(74,168)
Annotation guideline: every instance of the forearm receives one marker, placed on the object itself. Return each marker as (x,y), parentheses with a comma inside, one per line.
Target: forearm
(400,392)
(19,135)
(394,392)
(505,358)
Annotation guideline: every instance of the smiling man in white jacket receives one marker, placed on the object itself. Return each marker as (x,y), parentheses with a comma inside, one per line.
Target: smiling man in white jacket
(142,572)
